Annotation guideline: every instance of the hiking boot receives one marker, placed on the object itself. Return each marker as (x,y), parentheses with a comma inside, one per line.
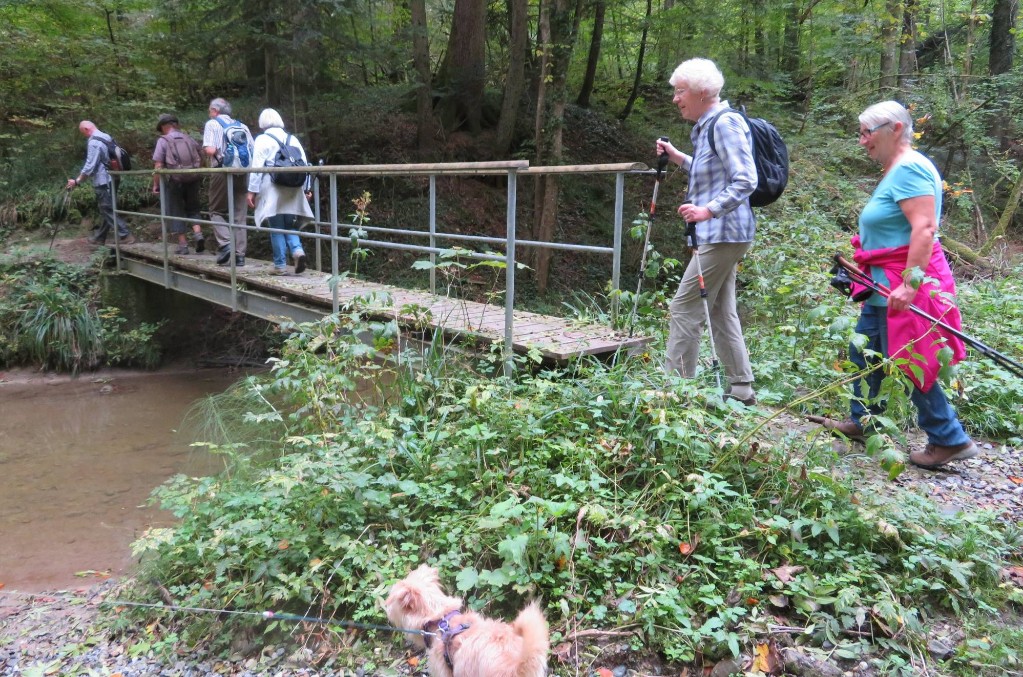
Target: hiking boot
(935,455)
(239,260)
(750,401)
(848,428)
(182,249)
(299,264)
(95,242)
(127,239)
(279,271)
(223,256)
(200,243)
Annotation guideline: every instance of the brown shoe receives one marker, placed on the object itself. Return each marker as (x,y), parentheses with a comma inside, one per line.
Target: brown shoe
(848,428)
(127,239)
(934,455)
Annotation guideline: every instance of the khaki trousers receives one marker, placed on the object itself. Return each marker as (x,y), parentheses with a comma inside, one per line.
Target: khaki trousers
(688,318)
(219,211)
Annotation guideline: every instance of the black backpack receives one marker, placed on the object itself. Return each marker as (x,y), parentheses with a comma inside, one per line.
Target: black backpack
(288,156)
(770,156)
(118,159)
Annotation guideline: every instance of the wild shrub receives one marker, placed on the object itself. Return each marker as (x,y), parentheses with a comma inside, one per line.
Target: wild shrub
(49,318)
(618,496)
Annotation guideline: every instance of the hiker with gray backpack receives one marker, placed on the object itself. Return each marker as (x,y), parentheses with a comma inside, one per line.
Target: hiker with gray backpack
(177,150)
(281,199)
(227,143)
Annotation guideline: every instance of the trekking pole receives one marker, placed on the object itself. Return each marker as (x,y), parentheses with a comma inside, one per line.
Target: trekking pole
(1008,363)
(695,247)
(662,164)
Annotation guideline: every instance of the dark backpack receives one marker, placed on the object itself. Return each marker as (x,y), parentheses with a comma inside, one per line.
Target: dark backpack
(182,152)
(118,159)
(288,156)
(237,152)
(770,156)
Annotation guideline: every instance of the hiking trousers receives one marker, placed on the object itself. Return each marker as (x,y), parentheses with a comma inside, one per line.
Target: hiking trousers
(219,211)
(688,318)
(105,204)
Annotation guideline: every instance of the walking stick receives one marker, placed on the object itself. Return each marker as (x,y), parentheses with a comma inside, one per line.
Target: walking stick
(695,247)
(1008,363)
(662,163)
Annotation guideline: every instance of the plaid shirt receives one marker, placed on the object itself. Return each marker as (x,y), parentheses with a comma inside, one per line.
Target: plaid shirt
(722,182)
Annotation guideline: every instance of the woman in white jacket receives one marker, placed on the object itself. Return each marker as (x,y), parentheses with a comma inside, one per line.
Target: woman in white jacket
(281,207)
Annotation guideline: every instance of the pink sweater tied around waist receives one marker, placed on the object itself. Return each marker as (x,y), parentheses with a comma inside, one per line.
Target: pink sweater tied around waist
(912,340)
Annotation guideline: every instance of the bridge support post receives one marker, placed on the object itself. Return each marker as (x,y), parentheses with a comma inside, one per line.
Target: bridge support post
(316,214)
(230,231)
(163,230)
(616,257)
(334,279)
(433,233)
(509,296)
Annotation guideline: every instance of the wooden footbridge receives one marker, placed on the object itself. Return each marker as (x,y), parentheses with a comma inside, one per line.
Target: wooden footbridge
(308,297)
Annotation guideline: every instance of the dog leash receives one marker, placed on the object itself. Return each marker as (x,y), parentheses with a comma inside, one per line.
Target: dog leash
(266,615)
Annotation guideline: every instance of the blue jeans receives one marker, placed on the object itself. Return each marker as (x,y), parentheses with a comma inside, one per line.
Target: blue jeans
(935,415)
(284,243)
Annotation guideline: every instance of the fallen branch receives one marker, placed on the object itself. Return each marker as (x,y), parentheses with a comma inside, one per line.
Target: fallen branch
(600,633)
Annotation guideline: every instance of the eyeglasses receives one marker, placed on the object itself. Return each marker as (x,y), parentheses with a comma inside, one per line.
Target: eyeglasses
(868,132)
(679,91)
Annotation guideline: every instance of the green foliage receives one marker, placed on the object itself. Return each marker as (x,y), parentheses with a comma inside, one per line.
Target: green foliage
(49,318)
(615,495)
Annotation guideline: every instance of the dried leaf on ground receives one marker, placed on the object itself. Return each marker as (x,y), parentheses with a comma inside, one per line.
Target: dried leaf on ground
(786,573)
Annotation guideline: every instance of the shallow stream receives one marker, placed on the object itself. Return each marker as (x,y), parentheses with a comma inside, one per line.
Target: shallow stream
(78,461)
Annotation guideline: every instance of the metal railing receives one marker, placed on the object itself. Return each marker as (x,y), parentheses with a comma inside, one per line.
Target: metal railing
(512,170)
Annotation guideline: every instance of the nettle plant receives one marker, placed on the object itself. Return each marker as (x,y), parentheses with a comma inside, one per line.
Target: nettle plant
(616,495)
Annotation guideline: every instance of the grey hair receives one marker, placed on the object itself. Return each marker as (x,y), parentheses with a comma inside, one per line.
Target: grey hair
(889,111)
(700,74)
(221,105)
(270,118)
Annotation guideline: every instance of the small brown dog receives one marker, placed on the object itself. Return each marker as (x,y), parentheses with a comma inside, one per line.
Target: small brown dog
(466,644)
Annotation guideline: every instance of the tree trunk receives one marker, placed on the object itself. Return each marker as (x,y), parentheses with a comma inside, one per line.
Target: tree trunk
(557,38)
(515,80)
(1003,37)
(667,38)
(889,67)
(1006,218)
(1002,55)
(907,47)
(463,71)
(426,131)
(599,8)
(634,94)
(790,59)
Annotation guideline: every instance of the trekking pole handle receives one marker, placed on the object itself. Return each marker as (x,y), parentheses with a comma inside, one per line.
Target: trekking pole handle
(662,159)
(691,230)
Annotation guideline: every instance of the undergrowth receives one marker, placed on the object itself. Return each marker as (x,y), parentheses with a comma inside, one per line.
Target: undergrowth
(51,317)
(620,497)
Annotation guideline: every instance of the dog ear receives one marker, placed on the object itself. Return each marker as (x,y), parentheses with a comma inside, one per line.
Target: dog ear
(406,598)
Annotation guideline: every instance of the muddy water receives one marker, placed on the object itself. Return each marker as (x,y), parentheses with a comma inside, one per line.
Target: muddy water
(78,460)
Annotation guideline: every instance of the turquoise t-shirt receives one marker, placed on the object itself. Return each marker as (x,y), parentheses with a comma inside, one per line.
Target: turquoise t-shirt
(882,223)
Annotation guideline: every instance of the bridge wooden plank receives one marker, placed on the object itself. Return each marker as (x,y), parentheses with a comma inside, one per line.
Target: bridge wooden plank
(556,338)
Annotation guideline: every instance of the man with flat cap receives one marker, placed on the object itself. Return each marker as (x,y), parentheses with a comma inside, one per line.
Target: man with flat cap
(177,150)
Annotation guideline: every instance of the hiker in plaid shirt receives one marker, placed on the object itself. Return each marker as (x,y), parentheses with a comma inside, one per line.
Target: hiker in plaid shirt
(720,184)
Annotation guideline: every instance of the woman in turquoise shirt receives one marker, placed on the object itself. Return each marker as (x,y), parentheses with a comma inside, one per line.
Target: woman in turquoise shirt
(898,232)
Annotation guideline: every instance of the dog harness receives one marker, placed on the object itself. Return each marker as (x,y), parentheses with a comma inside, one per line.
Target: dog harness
(446,631)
